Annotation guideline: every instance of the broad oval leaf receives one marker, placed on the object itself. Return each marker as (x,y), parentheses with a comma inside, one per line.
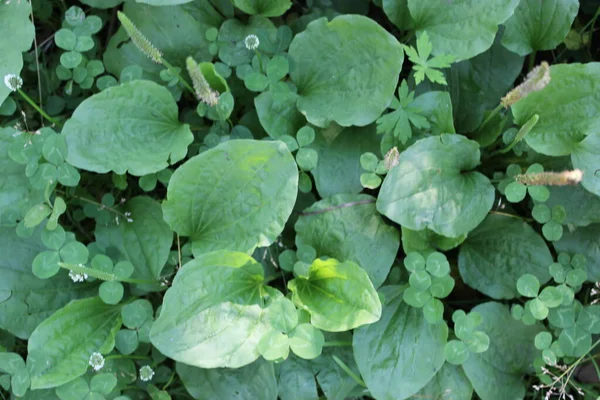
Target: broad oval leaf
(400,353)
(397,12)
(297,380)
(586,241)
(133,127)
(568,108)
(177,31)
(60,347)
(145,242)
(539,25)
(338,295)
(463,28)
(266,8)
(497,373)
(582,207)
(496,254)
(431,187)
(25,300)
(236,196)
(452,380)
(278,114)
(254,381)
(586,157)
(211,316)
(356,74)
(338,169)
(16,36)
(348,227)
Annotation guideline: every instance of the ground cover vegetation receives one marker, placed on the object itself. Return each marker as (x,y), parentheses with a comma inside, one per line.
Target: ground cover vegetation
(299,200)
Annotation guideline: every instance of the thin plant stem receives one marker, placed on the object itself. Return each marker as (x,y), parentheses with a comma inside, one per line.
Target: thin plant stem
(494,112)
(532,60)
(350,373)
(37,108)
(260,64)
(37,63)
(171,378)
(178,75)
(511,215)
(102,206)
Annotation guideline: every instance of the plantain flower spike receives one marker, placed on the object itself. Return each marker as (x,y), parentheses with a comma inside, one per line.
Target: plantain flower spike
(202,88)
(537,79)
(551,178)
(138,38)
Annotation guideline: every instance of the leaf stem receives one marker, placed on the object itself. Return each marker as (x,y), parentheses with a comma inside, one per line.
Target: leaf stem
(490,116)
(37,108)
(178,75)
(532,60)
(260,64)
(171,378)
(350,373)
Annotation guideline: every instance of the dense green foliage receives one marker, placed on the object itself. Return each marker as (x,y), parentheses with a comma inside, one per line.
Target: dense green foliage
(299,200)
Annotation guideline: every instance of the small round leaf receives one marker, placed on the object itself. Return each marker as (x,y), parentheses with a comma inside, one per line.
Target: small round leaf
(528,285)
(306,341)
(456,352)
(111,292)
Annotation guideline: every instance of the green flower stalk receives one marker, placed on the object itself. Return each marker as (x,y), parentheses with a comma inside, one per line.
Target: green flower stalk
(564,178)
(138,38)
(536,80)
(202,88)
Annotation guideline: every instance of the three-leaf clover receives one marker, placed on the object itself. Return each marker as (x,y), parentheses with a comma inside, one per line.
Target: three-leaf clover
(429,281)
(425,67)
(468,339)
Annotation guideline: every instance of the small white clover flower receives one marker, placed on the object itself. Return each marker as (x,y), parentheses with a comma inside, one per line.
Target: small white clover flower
(77,277)
(13,82)
(251,42)
(96,361)
(146,373)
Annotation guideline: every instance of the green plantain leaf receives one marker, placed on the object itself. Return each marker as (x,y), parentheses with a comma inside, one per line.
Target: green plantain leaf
(347,227)
(586,241)
(463,28)
(397,12)
(266,8)
(497,373)
(278,114)
(496,254)
(357,73)
(338,170)
(16,36)
(59,348)
(581,206)
(338,295)
(177,31)
(449,381)
(212,316)
(539,25)
(145,242)
(26,300)
(254,381)
(586,157)
(132,127)
(236,196)
(432,187)
(568,109)
(400,353)
(296,380)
